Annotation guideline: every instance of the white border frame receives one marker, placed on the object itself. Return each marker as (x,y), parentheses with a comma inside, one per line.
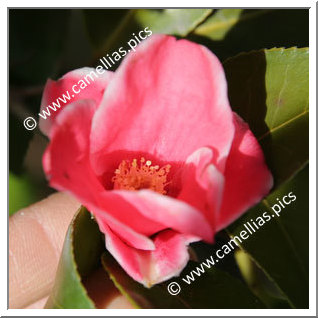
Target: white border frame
(312,167)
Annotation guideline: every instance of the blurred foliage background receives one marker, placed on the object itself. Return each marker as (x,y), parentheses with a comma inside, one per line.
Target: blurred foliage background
(48,43)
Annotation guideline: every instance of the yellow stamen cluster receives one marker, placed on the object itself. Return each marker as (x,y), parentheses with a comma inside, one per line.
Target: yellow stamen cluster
(131,176)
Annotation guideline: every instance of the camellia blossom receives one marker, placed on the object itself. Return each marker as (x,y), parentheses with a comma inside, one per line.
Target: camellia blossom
(156,154)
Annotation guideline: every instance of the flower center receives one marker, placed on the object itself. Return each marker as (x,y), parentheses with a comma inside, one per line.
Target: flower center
(131,176)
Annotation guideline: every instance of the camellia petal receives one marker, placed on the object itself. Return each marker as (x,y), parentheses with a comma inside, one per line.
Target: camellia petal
(247,178)
(202,184)
(66,163)
(170,212)
(155,153)
(123,211)
(84,83)
(168,99)
(168,258)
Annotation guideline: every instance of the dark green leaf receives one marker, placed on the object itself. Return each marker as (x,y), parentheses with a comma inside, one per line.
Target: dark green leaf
(280,246)
(269,90)
(78,51)
(263,287)
(138,295)
(104,26)
(81,254)
(215,289)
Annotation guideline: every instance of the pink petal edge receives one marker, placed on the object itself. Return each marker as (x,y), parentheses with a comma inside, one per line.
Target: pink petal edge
(247,177)
(55,89)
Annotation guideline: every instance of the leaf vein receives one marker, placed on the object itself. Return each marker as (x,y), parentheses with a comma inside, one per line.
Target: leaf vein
(283,124)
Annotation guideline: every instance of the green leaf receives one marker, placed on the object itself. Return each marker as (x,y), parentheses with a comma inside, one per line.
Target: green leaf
(81,254)
(217,26)
(228,32)
(259,283)
(138,295)
(172,21)
(280,247)
(111,29)
(215,289)
(269,90)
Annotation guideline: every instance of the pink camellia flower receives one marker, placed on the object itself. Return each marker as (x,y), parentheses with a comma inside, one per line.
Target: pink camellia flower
(155,152)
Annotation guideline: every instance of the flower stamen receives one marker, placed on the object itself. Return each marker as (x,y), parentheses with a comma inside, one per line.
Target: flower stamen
(131,176)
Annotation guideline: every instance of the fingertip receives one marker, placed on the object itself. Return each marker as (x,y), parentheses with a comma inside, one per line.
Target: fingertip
(36,236)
